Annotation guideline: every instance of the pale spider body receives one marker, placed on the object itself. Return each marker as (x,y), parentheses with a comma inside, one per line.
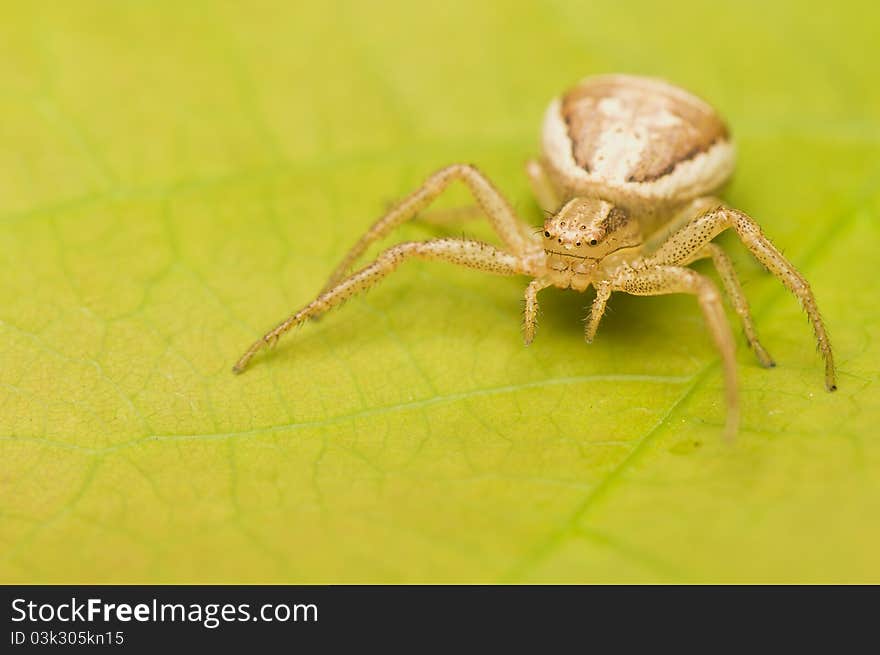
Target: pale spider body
(628,173)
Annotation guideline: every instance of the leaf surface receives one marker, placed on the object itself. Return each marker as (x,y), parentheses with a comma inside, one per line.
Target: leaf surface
(176,177)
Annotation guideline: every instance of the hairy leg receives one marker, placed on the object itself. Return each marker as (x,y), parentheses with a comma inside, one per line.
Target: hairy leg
(682,217)
(472,254)
(603,293)
(660,280)
(542,187)
(737,298)
(530,316)
(539,181)
(514,233)
(688,240)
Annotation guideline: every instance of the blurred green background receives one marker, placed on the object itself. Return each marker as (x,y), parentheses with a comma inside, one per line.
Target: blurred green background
(177,176)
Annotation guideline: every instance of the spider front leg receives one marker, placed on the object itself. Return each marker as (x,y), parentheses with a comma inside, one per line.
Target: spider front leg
(515,234)
(542,188)
(472,254)
(684,244)
(660,280)
(603,293)
(530,314)
(541,185)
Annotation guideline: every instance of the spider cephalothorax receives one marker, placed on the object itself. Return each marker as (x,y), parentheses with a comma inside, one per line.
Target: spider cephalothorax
(628,174)
(581,234)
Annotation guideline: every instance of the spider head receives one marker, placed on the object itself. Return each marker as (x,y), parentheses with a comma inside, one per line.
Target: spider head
(589,228)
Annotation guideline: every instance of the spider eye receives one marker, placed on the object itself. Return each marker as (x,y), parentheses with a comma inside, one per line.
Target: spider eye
(593,242)
(578,244)
(583,227)
(547,233)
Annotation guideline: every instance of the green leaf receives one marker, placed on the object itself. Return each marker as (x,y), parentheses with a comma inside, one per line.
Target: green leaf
(177,177)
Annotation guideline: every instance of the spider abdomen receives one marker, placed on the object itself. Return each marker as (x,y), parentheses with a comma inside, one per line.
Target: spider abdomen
(635,141)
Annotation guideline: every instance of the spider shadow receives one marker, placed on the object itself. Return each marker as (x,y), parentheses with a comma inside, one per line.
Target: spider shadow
(627,319)
(563,313)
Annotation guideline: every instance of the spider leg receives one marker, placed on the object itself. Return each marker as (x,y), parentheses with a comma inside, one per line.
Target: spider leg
(688,240)
(603,287)
(514,233)
(660,280)
(603,293)
(530,317)
(542,186)
(734,290)
(472,254)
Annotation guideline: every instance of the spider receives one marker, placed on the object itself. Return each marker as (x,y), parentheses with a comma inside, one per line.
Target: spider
(627,176)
